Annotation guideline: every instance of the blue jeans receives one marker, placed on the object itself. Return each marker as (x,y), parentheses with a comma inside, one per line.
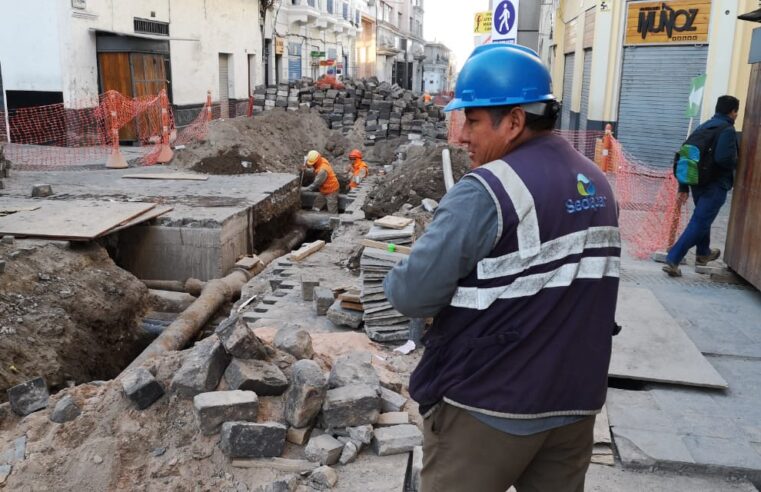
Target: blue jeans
(708,201)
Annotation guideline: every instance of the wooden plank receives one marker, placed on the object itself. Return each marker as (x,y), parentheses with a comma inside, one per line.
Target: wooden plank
(307,250)
(350,297)
(353,306)
(280,464)
(169,176)
(602,427)
(72,220)
(144,217)
(392,222)
(384,246)
(653,347)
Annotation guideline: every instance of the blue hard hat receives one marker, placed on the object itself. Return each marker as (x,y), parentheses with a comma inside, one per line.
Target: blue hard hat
(501,75)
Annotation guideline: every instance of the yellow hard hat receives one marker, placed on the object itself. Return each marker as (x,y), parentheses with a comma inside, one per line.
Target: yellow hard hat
(312,157)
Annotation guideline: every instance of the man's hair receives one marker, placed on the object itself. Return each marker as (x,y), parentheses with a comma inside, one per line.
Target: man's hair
(727,104)
(534,122)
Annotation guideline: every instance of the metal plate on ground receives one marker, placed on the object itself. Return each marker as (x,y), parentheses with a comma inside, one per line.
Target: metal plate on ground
(653,347)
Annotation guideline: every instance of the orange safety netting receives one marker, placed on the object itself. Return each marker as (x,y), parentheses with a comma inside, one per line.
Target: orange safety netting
(55,137)
(650,217)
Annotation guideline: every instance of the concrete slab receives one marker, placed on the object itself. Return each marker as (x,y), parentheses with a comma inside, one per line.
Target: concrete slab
(212,224)
(653,347)
(606,478)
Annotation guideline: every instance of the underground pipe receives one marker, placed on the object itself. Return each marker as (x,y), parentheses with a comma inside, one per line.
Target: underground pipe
(446,165)
(192,286)
(214,294)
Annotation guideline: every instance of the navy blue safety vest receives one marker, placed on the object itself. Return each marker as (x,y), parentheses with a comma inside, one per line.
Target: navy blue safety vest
(528,333)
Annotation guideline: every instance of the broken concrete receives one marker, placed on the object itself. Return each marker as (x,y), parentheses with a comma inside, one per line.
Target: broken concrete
(324,449)
(397,439)
(215,408)
(362,433)
(298,436)
(307,288)
(393,418)
(391,401)
(41,190)
(141,387)
(250,440)
(324,477)
(239,340)
(323,300)
(258,376)
(29,397)
(353,368)
(351,406)
(344,317)
(305,397)
(294,340)
(349,453)
(65,410)
(202,369)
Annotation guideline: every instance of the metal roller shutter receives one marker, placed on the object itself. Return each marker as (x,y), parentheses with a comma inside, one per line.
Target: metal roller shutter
(586,81)
(655,87)
(294,61)
(565,115)
(224,86)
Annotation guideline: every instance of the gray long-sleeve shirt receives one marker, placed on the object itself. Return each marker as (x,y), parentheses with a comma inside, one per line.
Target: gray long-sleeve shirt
(463,231)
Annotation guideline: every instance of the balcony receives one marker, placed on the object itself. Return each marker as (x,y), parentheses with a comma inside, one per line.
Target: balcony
(303,11)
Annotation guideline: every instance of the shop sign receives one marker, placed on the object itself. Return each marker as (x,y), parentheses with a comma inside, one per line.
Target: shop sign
(675,22)
(279,46)
(482,23)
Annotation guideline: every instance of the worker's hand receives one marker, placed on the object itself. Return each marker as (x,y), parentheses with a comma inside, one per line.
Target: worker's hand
(681,198)
(357,179)
(305,189)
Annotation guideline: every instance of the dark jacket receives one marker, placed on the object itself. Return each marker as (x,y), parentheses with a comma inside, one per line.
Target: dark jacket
(725,152)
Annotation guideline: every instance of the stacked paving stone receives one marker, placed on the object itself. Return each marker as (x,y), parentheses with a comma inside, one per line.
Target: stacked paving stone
(5,166)
(383,323)
(389,110)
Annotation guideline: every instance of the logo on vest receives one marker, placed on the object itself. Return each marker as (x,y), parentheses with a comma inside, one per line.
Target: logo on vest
(589,201)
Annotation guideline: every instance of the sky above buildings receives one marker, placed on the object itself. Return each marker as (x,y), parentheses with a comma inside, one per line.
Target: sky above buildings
(451,22)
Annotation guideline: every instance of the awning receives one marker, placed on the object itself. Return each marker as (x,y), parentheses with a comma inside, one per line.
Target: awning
(142,36)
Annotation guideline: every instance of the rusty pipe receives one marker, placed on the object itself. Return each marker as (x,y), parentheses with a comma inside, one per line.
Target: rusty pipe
(214,294)
(192,286)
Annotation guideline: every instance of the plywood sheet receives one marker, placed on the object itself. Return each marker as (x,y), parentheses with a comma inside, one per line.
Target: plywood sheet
(144,217)
(393,222)
(653,347)
(168,176)
(72,220)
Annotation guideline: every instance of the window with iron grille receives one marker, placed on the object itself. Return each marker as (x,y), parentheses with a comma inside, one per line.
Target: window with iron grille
(356,18)
(311,3)
(346,11)
(146,26)
(331,53)
(330,6)
(294,49)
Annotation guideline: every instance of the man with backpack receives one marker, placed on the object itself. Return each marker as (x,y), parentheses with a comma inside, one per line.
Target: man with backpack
(705,164)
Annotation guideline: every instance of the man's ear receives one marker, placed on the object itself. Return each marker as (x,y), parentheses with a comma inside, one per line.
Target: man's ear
(513,123)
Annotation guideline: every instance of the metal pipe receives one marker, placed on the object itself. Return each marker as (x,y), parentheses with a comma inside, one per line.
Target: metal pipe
(214,294)
(446,165)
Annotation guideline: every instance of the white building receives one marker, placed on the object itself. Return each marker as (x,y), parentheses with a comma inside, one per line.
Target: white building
(310,38)
(54,51)
(438,69)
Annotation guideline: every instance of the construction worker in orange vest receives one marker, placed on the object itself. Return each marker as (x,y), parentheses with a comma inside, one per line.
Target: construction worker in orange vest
(325,181)
(358,168)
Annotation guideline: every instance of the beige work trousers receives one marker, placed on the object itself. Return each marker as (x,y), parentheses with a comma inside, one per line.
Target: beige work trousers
(462,454)
(331,201)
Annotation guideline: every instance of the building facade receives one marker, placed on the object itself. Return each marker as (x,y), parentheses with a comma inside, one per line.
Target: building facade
(632,63)
(438,69)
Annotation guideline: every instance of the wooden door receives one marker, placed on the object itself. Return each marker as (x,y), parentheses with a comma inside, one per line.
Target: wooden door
(743,251)
(148,79)
(116,75)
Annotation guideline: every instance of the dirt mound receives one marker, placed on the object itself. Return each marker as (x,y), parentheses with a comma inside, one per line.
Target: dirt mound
(66,315)
(417,177)
(274,141)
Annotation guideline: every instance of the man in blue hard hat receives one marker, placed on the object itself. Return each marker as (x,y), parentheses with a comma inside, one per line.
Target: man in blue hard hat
(520,270)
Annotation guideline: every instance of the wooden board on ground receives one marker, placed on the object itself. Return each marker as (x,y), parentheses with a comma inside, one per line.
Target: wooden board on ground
(307,250)
(75,220)
(384,246)
(351,296)
(281,464)
(169,176)
(393,222)
(653,347)
(149,215)
(602,427)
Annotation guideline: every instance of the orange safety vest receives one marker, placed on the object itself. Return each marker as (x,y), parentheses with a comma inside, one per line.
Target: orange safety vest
(357,166)
(330,185)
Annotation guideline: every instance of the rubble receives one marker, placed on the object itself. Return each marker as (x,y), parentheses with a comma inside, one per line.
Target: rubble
(344,317)
(239,340)
(295,341)
(41,190)
(307,288)
(305,397)
(324,449)
(361,433)
(393,418)
(323,300)
(252,440)
(298,436)
(215,408)
(65,410)
(202,369)
(353,368)
(392,401)
(324,477)
(141,387)
(258,376)
(397,439)
(349,453)
(29,397)
(351,406)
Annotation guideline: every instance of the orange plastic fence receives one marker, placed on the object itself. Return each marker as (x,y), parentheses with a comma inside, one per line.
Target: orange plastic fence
(650,218)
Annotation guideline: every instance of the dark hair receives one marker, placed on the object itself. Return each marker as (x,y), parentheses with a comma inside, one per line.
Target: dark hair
(727,104)
(534,122)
